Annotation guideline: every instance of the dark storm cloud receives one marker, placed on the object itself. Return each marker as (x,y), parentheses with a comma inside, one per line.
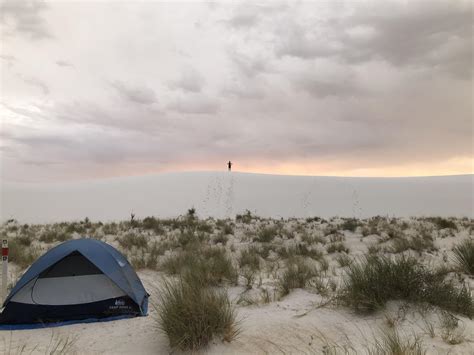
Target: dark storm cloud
(378,83)
(24,17)
(438,34)
(140,95)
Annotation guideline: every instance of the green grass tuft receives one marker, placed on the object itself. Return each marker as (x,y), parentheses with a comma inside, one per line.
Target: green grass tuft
(192,314)
(376,280)
(464,256)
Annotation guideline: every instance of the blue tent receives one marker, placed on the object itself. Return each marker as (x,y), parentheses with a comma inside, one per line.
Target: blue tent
(76,280)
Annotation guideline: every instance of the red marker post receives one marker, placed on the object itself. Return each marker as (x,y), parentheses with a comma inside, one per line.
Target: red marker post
(4,268)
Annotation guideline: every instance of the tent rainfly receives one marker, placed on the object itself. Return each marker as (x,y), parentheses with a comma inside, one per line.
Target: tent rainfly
(77,280)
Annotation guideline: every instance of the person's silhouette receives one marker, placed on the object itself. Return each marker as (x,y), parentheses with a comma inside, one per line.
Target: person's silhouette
(229,165)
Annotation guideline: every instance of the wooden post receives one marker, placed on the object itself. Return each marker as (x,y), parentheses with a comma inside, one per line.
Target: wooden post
(4,268)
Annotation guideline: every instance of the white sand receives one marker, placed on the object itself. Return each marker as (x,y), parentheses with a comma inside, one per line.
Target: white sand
(293,325)
(226,194)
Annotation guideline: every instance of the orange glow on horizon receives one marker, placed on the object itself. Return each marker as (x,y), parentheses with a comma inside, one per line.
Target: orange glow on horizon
(458,166)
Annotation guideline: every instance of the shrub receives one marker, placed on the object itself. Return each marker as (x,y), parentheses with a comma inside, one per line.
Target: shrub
(244,218)
(350,224)
(266,234)
(418,244)
(189,237)
(210,265)
(443,223)
(376,280)
(297,275)
(464,256)
(51,236)
(191,314)
(390,342)
(250,258)
(130,240)
(338,247)
(344,260)
(110,228)
(221,238)
(299,250)
(225,227)
(154,224)
(75,227)
(25,239)
(21,255)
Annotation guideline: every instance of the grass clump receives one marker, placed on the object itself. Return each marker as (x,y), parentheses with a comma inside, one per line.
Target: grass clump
(297,275)
(51,236)
(443,223)
(154,224)
(299,250)
(391,343)
(350,224)
(337,247)
(192,314)
(211,266)
(266,234)
(250,258)
(130,240)
(376,280)
(464,256)
(21,255)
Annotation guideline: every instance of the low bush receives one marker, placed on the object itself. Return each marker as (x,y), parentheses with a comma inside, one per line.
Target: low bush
(390,342)
(21,255)
(350,224)
(297,275)
(154,224)
(266,234)
(192,314)
(299,250)
(338,247)
(130,240)
(443,223)
(371,283)
(53,235)
(211,266)
(464,256)
(250,258)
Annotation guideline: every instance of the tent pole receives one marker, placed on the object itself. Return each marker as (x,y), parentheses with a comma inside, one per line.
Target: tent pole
(4,268)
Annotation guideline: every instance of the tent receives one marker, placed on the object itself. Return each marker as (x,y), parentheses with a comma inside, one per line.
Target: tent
(76,280)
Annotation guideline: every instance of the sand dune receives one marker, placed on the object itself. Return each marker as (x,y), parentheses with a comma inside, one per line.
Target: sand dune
(222,194)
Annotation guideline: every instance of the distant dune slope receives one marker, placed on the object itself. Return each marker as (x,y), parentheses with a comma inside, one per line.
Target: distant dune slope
(223,194)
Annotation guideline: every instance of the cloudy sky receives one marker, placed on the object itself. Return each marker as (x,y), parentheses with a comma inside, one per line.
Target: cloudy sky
(114,88)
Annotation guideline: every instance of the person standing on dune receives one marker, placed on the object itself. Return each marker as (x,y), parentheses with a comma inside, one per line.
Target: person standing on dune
(229,165)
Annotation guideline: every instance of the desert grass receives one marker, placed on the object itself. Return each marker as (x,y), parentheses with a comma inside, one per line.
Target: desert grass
(192,314)
(250,258)
(390,342)
(58,344)
(464,256)
(451,331)
(298,273)
(266,234)
(376,280)
(211,265)
(132,240)
(22,255)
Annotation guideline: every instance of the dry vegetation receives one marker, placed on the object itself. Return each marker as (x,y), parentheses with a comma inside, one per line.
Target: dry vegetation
(348,264)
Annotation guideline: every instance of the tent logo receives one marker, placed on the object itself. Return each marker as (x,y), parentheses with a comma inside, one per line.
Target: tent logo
(119,302)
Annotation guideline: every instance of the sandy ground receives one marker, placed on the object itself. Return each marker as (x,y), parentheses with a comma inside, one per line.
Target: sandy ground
(222,194)
(299,323)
